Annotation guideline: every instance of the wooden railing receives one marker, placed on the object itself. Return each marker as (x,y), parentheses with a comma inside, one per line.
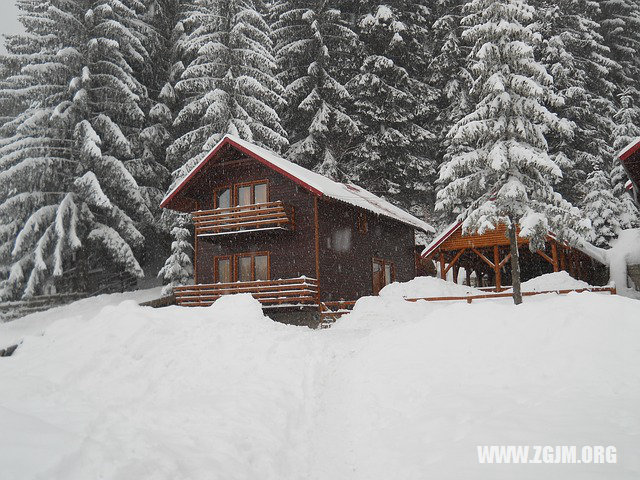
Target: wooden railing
(289,291)
(262,216)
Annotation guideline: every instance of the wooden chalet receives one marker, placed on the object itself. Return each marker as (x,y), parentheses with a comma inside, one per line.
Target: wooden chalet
(285,234)
(630,158)
(487,257)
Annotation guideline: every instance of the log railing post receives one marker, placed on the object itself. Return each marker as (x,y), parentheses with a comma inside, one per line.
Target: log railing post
(496,267)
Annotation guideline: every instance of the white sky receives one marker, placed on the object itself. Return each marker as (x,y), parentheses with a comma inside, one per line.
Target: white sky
(8,19)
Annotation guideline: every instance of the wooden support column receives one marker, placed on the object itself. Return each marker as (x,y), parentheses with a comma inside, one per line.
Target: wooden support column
(554,255)
(468,279)
(496,267)
(563,263)
(456,269)
(317,240)
(195,256)
(443,271)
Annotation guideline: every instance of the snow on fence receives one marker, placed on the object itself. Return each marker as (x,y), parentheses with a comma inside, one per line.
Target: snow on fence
(331,311)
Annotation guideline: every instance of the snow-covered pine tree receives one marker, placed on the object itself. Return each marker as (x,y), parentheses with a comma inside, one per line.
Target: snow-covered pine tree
(150,165)
(447,68)
(574,53)
(64,184)
(621,29)
(310,38)
(225,82)
(228,84)
(506,176)
(626,130)
(391,105)
(602,208)
(178,268)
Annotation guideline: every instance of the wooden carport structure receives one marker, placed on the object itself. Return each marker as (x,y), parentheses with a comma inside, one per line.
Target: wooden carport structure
(488,256)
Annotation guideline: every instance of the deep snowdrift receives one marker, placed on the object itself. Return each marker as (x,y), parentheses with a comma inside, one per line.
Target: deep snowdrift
(395,390)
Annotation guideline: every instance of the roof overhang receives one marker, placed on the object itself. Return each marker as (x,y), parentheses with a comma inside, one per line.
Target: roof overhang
(583,246)
(314,183)
(226,140)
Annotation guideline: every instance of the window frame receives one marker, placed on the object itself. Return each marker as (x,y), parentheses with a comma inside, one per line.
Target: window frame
(215,196)
(252,184)
(253,256)
(216,268)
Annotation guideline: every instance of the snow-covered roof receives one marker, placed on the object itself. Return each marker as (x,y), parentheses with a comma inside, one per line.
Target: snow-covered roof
(314,182)
(440,238)
(630,149)
(583,246)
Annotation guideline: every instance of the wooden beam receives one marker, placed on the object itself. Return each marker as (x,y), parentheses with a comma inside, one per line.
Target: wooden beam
(554,255)
(443,272)
(468,279)
(545,256)
(505,260)
(496,262)
(455,259)
(195,257)
(456,270)
(563,262)
(317,240)
(486,260)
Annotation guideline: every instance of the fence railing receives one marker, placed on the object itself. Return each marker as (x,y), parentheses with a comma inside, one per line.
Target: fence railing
(262,216)
(288,291)
(331,311)
(470,298)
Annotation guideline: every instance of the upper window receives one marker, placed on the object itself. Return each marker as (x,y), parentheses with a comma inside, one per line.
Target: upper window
(223,198)
(252,193)
(243,194)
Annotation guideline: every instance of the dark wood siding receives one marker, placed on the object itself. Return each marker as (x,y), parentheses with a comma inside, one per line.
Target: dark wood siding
(292,253)
(347,253)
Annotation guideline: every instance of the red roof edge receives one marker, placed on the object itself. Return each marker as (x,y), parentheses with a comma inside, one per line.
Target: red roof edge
(228,141)
(630,151)
(434,245)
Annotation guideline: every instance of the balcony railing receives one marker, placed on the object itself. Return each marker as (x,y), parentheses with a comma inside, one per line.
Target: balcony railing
(289,291)
(248,218)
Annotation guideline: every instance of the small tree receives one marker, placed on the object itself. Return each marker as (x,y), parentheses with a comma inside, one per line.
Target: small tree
(603,209)
(178,268)
(504,174)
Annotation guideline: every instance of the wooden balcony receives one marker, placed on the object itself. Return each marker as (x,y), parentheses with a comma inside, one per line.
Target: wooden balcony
(289,291)
(248,218)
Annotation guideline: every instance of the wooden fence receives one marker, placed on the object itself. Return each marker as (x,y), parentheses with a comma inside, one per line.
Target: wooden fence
(331,311)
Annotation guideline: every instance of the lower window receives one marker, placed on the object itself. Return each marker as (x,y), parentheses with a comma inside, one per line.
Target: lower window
(384,273)
(242,267)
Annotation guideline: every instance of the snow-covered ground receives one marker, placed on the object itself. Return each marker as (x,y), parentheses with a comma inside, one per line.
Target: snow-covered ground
(396,390)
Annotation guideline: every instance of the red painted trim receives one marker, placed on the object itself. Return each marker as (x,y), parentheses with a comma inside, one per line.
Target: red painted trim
(247,151)
(442,239)
(630,152)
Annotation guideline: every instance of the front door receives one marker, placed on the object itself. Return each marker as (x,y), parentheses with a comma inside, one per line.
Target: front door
(383,274)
